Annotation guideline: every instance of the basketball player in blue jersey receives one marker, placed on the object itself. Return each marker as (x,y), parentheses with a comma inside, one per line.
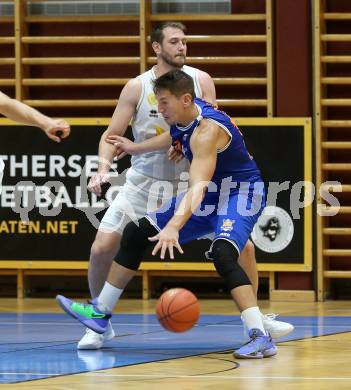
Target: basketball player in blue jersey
(226,196)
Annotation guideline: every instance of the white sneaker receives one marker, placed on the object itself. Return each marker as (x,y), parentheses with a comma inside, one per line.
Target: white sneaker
(276,328)
(93,340)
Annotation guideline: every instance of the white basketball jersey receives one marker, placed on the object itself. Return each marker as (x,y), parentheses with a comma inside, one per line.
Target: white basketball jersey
(148,123)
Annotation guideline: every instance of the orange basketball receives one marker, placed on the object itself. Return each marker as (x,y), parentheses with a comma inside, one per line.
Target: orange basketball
(178,310)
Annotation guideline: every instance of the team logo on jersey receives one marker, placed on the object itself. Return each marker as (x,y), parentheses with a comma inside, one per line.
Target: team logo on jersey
(227,225)
(274,230)
(153,114)
(151,98)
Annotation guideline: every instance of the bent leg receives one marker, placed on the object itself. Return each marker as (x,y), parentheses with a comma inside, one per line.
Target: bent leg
(130,204)
(103,251)
(247,261)
(134,242)
(225,255)
(225,258)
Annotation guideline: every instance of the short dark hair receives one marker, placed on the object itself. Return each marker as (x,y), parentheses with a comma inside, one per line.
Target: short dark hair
(157,33)
(177,82)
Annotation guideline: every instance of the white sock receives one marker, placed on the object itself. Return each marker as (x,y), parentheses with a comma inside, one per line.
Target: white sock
(252,318)
(108,297)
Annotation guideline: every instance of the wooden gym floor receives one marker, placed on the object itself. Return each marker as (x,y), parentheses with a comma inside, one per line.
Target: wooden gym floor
(316,356)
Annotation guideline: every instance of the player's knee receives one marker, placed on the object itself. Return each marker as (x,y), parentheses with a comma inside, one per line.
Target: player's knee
(100,249)
(248,252)
(225,257)
(97,251)
(134,242)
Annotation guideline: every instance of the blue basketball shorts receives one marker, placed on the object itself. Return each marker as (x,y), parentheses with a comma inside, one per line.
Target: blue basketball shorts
(229,215)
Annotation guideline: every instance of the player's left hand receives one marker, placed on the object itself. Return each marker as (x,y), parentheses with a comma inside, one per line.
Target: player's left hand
(167,240)
(57,126)
(123,145)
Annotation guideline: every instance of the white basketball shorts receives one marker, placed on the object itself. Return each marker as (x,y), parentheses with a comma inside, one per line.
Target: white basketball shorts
(139,195)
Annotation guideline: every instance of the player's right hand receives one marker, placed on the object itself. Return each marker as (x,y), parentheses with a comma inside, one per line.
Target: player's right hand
(96,182)
(166,240)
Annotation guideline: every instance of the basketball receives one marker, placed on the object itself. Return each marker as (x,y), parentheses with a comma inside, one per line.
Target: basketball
(178,310)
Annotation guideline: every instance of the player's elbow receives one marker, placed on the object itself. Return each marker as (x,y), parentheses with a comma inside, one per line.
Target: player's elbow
(106,133)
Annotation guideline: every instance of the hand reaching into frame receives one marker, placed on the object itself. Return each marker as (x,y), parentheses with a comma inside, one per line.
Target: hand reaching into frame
(57,129)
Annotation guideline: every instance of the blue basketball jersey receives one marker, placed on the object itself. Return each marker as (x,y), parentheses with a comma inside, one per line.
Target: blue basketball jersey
(233,160)
(230,212)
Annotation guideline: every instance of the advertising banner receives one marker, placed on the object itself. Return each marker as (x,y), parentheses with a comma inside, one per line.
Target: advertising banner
(48,215)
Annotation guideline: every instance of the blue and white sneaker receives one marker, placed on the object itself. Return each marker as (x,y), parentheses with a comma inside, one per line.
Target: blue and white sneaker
(88,314)
(259,346)
(275,328)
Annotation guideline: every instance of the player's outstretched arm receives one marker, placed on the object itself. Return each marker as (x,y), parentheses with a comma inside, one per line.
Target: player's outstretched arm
(121,118)
(203,145)
(20,112)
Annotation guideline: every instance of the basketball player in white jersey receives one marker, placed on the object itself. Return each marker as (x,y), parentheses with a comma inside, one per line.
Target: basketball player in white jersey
(137,104)
(20,112)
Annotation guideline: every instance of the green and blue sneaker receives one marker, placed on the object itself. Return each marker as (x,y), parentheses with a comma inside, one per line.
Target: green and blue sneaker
(88,314)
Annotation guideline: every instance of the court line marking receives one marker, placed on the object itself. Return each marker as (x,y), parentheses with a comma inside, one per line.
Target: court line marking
(27,373)
(236,377)
(216,376)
